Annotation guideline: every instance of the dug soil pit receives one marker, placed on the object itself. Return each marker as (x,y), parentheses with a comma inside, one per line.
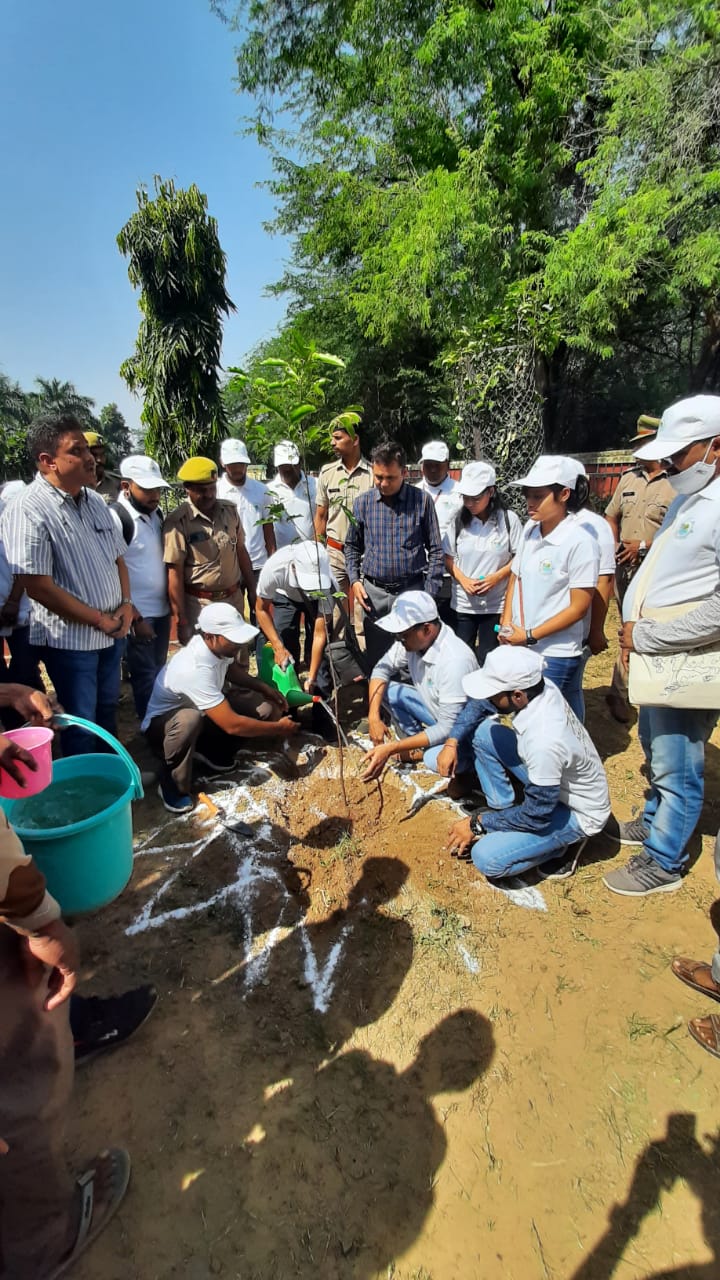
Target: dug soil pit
(366,1062)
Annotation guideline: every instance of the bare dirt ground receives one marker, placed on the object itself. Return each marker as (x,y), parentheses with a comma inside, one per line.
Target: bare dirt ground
(366,1062)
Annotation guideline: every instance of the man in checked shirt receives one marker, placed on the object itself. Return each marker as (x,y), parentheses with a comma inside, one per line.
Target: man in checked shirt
(393,544)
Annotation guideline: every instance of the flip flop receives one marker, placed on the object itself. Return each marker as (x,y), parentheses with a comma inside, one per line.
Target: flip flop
(714,1021)
(690,969)
(92,1221)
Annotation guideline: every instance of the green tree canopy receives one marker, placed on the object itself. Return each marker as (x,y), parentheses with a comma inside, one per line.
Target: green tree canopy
(176,262)
(115,433)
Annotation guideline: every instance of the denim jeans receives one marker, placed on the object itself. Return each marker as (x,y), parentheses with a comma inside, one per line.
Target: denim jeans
(510,853)
(478,631)
(673,739)
(567,674)
(87,683)
(412,716)
(23,666)
(145,658)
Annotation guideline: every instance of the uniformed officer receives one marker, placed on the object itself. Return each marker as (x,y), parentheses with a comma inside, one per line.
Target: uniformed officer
(339,484)
(107,483)
(204,549)
(635,513)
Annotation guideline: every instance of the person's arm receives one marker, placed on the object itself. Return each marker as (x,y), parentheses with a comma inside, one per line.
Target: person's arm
(354,550)
(269,536)
(319,641)
(433,546)
(264,619)
(376,759)
(242,679)
(246,726)
(9,610)
(126,611)
(692,630)
(614,523)
(581,599)
(247,574)
(66,606)
(176,596)
(533,815)
(321,519)
(597,641)
(377,728)
(506,615)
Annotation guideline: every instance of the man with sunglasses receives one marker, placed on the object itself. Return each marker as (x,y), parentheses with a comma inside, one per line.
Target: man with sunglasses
(435,659)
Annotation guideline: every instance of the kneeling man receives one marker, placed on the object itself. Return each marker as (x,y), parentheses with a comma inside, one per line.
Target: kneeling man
(549,751)
(426,710)
(191,716)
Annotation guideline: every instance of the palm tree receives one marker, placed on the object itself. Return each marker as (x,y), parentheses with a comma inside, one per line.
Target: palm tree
(54,396)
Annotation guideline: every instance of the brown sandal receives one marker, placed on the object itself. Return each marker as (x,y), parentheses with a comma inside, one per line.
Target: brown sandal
(693,1028)
(686,969)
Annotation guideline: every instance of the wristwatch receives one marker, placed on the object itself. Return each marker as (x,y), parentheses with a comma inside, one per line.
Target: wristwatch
(476,826)
(125,600)
(529,637)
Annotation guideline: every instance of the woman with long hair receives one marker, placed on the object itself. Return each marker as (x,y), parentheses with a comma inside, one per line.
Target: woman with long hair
(479,548)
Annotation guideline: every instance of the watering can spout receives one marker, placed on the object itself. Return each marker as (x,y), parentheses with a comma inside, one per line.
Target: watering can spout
(285,680)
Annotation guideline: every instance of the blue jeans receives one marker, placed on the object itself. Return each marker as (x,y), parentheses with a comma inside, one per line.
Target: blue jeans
(478,632)
(673,739)
(87,684)
(510,853)
(567,675)
(412,716)
(145,658)
(494,746)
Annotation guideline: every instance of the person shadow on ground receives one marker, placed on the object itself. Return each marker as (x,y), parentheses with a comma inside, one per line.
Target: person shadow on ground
(679,1155)
(343,1176)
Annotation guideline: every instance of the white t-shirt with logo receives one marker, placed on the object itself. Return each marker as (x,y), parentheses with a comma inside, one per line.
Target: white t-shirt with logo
(479,549)
(446,498)
(558,751)
(299,504)
(547,570)
(437,675)
(193,677)
(685,564)
(252,499)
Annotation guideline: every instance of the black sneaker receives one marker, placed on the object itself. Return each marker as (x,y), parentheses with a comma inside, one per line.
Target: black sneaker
(564,865)
(215,766)
(174,800)
(104,1022)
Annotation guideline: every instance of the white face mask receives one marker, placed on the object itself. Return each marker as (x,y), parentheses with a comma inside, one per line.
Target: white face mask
(696,476)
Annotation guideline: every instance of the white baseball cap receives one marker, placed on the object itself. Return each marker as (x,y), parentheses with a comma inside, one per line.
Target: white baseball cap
(224,620)
(506,668)
(143,471)
(697,418)
(285,454)
(409,610)
(233,450)
(549,468)
(312,567)
(476,478)
(435,451)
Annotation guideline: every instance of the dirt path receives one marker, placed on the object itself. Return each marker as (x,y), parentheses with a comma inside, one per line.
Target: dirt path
(367,1063)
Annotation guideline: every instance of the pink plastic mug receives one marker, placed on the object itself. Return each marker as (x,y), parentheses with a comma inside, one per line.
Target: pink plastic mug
(37,741)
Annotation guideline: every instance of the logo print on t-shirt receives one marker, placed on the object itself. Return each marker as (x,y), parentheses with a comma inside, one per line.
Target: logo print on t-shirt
(684,528)
(546,566)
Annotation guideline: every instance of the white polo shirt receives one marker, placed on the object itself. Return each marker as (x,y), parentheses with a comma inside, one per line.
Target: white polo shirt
(547,570)
(437,675)
(144,560)
(299,510)
(599,529)
(479,549)
(252,500)
(446,498)
(558,751)
(277,578)
(193,677)
(684,559)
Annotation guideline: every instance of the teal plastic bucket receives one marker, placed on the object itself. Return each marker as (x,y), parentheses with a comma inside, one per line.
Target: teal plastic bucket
(89,862)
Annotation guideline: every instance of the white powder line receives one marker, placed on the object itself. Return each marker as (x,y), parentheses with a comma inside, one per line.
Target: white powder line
(469,960)
(320,981)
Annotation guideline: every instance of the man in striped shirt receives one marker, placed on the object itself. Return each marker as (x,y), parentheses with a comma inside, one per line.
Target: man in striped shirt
(393,544)
(61,538)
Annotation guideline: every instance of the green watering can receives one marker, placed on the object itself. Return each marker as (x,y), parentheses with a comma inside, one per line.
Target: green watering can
(285,681)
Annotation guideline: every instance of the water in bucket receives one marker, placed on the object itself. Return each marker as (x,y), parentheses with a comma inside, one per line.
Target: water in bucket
(65,802)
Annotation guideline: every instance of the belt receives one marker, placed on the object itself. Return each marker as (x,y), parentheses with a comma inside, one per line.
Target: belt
(336,546)
(200,594)
(394,588)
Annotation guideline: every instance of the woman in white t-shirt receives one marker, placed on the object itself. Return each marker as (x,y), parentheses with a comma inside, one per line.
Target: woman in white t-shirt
(554,575)
(479,547)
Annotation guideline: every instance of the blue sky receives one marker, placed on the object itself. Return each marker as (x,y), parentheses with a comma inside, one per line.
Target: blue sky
(95,98)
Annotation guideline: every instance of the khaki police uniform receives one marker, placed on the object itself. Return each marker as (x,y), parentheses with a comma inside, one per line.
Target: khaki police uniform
(337,490)
(639,504)
(109,487)
(206,547)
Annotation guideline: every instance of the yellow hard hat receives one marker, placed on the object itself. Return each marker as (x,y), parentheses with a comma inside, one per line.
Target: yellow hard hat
(93,439)
(198,471)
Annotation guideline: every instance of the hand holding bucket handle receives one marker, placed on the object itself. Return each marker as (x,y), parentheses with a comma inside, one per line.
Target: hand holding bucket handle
(63,721)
